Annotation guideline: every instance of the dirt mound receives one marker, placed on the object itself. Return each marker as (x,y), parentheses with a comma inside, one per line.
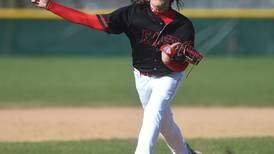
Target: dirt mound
(40,124)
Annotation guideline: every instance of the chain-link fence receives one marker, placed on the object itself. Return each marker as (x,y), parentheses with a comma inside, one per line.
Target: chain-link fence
(228,34)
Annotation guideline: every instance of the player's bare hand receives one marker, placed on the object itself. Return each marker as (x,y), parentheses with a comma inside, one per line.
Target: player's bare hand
(165,58)
(40,3)
(168,51)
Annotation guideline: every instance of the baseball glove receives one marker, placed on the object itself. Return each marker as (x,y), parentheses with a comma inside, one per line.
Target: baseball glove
(178,55)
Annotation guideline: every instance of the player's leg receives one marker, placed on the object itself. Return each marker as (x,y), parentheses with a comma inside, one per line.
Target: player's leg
(144,89)
(163,89)
(172,134)
(143,86)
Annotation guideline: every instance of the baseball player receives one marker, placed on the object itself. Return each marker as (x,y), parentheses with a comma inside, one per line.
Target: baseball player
(162,43)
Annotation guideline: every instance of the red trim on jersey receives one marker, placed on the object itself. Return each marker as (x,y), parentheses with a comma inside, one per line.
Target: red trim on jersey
(167,16)
(103,22)
(75,16)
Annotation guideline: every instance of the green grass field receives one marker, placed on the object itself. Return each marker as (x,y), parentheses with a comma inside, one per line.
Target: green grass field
(207,146)
(110,81)
(28,82)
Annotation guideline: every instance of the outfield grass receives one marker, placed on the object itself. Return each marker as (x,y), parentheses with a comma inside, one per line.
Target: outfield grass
(110,81)
(207,146)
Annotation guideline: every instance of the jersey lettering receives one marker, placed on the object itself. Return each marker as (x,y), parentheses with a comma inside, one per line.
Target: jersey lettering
(148,37)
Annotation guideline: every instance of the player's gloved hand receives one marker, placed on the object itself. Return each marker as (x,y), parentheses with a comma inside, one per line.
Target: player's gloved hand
(183,51)
(40,3)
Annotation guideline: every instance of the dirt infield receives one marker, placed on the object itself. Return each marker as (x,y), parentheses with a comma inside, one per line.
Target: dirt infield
(106,123)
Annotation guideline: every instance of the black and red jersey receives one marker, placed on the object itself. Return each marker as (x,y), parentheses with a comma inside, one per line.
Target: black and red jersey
(146,30)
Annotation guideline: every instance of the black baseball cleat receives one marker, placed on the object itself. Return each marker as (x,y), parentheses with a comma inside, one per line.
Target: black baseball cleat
(191,151)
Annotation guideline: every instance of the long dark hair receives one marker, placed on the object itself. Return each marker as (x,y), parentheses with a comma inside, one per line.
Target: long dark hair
(178,3)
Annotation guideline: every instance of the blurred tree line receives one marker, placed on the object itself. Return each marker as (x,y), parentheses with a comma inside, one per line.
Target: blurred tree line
(13,3)
(97,4)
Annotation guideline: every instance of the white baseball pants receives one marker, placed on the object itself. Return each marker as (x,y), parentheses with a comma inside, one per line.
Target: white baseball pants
(155,94)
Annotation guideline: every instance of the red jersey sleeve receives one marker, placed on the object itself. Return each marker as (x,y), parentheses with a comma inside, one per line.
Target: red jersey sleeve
(75,16)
